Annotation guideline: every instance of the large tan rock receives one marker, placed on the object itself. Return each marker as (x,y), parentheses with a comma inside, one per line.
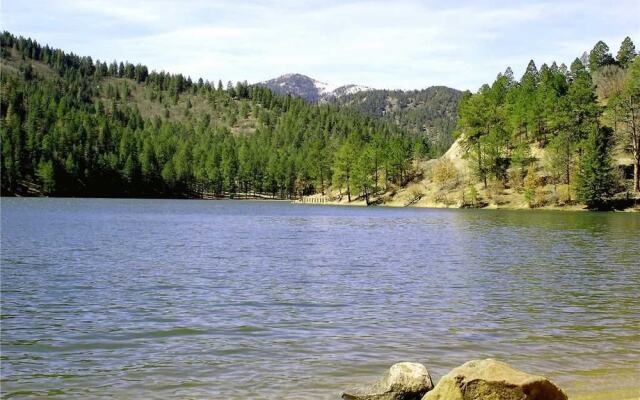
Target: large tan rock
(404,381)
(493,380)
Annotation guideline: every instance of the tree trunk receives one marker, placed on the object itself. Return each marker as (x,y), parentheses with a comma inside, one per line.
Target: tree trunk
(483,176)
(635,137)
(636,171)
(386,178)
(375,184)
(569,182)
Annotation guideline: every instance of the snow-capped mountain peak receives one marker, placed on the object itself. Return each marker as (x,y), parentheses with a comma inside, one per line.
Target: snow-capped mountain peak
(310,89)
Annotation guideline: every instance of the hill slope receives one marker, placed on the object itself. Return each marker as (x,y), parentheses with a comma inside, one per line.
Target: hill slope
(72,126)
(430,112)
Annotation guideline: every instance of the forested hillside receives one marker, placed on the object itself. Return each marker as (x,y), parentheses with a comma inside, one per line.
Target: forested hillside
(577,118)
(72,126)
(557,136)
(430,113)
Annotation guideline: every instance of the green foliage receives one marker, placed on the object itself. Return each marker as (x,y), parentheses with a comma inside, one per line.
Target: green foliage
(363,172)
(46,174)
(84,128)
(531,183)
(473,196)
(599,56)
(627,52)
(429,114)
(557,110)
(626,108)
(343,165)
(445,174)
(560,156)
(596,181)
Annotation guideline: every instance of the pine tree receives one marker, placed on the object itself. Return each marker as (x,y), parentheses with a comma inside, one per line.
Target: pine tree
(343,165)
(46,174)
(627,52)
(595,181)
(530,73)
(599,56)
(627,105)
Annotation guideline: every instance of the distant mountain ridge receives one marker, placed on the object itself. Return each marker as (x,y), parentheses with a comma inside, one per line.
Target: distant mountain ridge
(430,112)
(310,89)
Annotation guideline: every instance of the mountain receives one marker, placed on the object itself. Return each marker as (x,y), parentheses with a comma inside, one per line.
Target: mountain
(430,112)
(72,126)
(310,89)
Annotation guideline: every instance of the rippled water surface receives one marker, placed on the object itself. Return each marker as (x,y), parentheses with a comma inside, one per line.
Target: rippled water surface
(224,299)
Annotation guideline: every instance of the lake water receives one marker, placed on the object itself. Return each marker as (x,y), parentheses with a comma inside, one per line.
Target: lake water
(268,300)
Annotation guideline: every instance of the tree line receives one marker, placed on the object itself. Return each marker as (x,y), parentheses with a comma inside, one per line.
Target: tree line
(579,115)
(74,127)
(431,113)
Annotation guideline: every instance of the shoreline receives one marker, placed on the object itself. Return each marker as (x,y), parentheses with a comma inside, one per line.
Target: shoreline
(309,201)
(570,208)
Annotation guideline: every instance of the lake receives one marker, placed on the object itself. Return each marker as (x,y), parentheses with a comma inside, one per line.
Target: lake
(269,300)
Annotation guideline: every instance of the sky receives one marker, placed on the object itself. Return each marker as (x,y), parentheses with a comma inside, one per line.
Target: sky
(405,44)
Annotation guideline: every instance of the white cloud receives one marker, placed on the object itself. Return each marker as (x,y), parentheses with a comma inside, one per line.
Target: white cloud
(406,44)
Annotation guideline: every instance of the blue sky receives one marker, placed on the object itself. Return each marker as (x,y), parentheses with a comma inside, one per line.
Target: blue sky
(382,44)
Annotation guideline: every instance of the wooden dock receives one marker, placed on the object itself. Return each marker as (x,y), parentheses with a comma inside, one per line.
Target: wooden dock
(312,200)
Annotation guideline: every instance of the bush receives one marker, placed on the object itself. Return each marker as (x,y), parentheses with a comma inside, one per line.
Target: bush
(531,183)
(470,197)
(540,199)
(563,194)
(516,180)
(445,174)
(495,188)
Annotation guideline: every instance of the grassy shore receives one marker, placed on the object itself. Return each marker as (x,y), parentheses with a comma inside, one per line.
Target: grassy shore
(420,196)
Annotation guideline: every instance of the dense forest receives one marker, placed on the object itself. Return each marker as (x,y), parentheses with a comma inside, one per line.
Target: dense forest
(430,113)
(578,116)
(74,127)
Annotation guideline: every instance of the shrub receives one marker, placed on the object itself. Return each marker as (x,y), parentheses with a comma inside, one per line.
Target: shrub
(531,183)
(470,197)
(495,189)
(540,199)
(445,174)
(516,180)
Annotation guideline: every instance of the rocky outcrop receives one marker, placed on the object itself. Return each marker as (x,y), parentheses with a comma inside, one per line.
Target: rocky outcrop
(493,380)
(404,381)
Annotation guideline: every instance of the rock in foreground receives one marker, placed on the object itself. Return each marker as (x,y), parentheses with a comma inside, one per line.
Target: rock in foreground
(493,380)
(404,381)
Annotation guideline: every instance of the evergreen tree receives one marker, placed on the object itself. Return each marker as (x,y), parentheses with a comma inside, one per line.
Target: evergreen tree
(627,52)
(46,174)
(343,167)
(595,182)
(74,131)
(599,56)
(627,105)
(474,125)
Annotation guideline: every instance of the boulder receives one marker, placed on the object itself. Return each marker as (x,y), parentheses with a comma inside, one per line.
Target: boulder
(404,381)
(493,380)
